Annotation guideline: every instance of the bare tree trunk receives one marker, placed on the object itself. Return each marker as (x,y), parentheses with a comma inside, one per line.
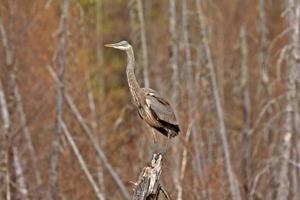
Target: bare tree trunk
(5,115)
(139,34)
(99,50)
(293,19)
(188,57)
(22,188)
(245,153)
(263,43)
(233,183)
(61,60)
(174,51)
(295,176)
(6,46)
(144,43)
(5,136)
(175,83)
(264,87)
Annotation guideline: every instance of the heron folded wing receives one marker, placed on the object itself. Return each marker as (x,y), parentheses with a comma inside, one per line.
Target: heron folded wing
(160,107)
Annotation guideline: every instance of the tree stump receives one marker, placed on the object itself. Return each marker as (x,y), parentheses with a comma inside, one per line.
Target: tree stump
(148,185)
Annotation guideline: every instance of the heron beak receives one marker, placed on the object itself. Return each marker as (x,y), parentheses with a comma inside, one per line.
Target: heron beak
(114,45)
(110,45)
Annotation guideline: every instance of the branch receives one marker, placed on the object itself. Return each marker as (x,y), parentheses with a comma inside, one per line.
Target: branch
(61,62)
(21,112)
(81,160)
(6,127)
(90,136)
(7,48)
(19,174)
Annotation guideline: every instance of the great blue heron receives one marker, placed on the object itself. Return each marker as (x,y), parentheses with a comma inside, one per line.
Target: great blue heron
(154,109)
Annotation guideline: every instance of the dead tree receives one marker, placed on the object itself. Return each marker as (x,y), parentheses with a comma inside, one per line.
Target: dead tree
(293,19)
(61,61)
(148,186)
(139,35)
(246,150)
(263,31)
(175,80)
(5,173)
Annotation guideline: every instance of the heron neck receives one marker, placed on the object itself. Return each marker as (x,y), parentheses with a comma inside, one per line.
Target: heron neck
(132,82)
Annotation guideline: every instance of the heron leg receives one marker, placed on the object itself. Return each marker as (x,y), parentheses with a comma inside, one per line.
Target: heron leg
(154,136)
(167,145)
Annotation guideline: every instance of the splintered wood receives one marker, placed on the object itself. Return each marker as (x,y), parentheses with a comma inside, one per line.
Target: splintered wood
(148,186)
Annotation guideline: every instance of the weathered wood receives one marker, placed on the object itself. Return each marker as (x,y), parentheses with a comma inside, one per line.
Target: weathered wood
(148,185)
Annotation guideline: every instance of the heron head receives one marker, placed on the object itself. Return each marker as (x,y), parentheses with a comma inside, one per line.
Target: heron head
(123,45)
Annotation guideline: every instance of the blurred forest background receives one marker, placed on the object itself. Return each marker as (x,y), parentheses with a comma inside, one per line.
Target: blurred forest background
(229,67)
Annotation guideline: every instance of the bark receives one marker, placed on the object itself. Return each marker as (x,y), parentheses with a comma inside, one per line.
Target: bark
(246,151)
(233,184)
(6,46)
(61,60)
(99,50)
(188,57)
(175,84)
(293,19)
(21,184)
(5,179)
(263,31)
(265,87)
(295,176)
(174,52)
(5,118)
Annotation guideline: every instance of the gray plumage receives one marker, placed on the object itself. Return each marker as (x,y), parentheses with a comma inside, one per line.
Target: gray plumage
(154,109)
